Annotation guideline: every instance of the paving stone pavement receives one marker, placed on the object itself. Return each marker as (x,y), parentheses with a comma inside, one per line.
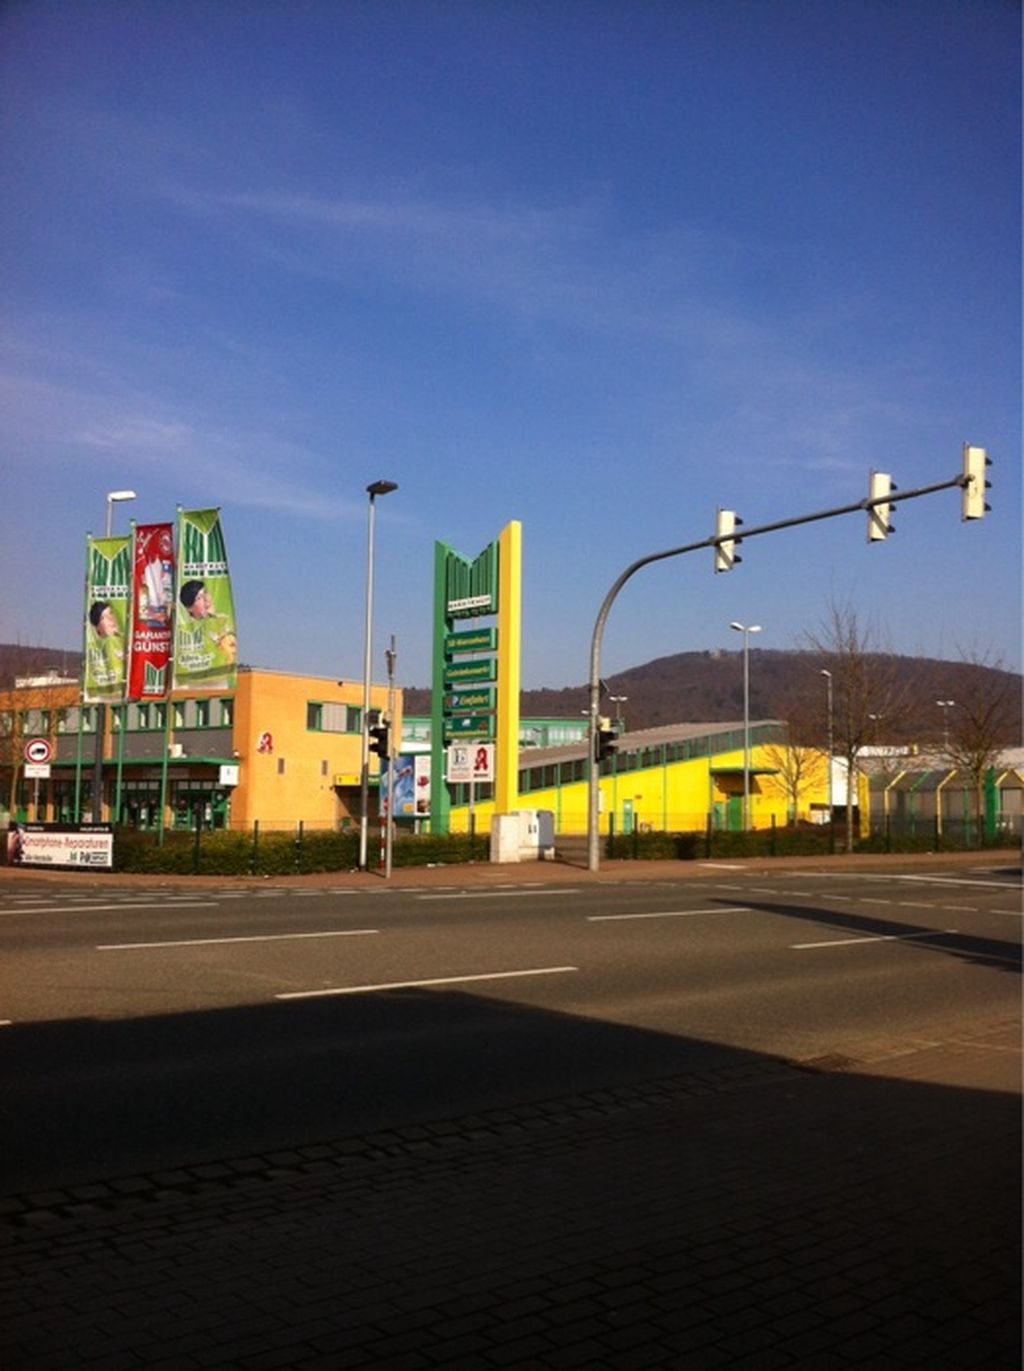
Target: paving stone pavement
(759,1215)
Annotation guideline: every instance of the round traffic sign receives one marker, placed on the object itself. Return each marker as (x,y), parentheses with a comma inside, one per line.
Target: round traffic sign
(38,750)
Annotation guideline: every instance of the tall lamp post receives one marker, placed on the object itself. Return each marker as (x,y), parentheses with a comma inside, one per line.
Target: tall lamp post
(831,749)
(114,497)
(945,706)
(746,630)
(374,489)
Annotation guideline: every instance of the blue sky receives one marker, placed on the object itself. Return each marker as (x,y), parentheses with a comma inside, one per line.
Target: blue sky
(600,267)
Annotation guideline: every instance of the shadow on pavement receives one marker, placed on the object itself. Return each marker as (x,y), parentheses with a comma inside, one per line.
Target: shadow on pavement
(475,1182)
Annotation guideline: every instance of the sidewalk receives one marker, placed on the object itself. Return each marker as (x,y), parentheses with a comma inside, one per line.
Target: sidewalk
(546,873)
(755,1215)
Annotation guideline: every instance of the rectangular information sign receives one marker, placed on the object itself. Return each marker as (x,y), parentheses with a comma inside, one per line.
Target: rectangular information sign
(469,726)
(462,700)
(473,640)
(75,845)
(470,762)
(456,673)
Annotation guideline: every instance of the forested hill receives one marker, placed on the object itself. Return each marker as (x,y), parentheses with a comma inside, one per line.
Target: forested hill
(708,687)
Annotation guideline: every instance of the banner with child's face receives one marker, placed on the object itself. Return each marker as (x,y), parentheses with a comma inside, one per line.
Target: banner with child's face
(205,642)
(107,600)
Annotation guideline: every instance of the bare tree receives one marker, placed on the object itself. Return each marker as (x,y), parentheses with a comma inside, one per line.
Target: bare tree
(800,761)
(986,711)
(867,690)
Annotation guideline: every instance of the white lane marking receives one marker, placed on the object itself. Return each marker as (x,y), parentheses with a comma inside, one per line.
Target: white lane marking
(496,894)
(253,938)
(724,866)
(413,985)
(881,938)
(957,880)
(914,904)
(670,914)
(127,904)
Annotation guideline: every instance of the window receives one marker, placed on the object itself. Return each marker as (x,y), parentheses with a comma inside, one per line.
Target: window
(143,716)
(160,716)
(227,713)
(179,713)
(280,766)
(202,713)
(333,717)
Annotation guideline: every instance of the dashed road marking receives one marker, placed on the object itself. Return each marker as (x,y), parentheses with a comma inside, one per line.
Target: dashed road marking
(433,981)
(669,914)
(253,938)
(875,938)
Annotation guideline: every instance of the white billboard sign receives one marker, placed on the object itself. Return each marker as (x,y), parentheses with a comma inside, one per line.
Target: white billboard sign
(470,762)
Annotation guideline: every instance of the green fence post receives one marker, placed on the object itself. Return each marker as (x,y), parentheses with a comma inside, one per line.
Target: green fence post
(198,812)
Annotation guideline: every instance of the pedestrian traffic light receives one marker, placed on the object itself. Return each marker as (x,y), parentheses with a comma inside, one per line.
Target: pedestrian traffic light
(725,551)
(974,485)
(379,736)
(879,527)
(606,740)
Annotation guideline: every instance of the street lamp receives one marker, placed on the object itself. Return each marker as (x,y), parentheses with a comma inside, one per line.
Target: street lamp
(113,497)
(746,630)
(374,489)
(618,700)
(945,705)
(116,497)
(831,801)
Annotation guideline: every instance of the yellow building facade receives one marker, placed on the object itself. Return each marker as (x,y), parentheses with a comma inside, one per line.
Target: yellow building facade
(673,779)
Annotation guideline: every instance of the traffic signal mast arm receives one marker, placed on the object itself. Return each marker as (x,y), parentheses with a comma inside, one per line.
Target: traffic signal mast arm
(967,481)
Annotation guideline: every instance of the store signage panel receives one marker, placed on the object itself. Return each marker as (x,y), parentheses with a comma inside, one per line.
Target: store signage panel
(471,700)
(455,674)
(473,640)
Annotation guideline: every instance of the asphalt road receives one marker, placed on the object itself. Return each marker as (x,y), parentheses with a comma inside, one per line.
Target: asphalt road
(145,1027)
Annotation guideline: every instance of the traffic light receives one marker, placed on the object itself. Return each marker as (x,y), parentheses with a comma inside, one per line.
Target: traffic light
(879,526)
(725,552)
(379,736)
(606,740)
(972,492)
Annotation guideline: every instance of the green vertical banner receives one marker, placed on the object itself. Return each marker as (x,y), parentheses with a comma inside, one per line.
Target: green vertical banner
(205,641)
(108,580)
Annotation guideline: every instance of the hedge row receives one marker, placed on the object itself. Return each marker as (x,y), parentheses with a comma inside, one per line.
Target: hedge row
(276,853)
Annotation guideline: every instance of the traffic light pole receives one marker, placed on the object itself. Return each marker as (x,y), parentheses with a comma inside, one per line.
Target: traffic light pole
(890,497)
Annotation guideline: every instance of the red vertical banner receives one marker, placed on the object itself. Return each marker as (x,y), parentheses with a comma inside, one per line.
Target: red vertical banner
(153,611)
